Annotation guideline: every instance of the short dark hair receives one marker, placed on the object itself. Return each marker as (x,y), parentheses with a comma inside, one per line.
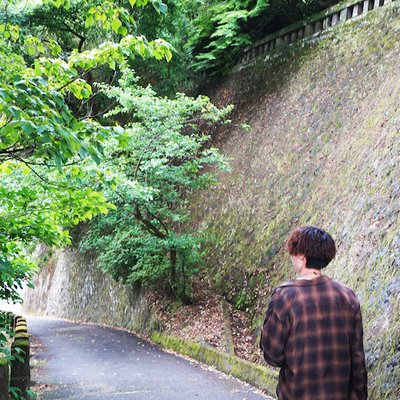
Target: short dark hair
(316,245)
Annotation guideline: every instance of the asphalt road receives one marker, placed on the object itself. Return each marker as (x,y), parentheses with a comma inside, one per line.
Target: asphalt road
(86,362)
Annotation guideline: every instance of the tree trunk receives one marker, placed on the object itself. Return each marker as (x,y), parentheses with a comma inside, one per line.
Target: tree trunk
(172,259)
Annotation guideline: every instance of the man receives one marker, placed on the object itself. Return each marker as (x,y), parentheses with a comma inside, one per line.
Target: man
(313,328)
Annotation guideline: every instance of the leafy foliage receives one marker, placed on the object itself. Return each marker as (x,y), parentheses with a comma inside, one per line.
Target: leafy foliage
(165,159)
(219,28)
(58,157)
(43,141)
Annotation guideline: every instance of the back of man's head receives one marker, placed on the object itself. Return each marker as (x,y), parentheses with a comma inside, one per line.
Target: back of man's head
(314,243)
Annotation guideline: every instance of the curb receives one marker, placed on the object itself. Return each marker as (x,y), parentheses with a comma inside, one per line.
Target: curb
(263,378)
(228,335)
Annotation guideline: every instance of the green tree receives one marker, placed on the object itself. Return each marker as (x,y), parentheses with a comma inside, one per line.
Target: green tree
(165,159)
(57,155)
(43,141)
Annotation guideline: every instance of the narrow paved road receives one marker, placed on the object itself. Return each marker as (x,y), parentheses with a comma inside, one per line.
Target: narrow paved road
(88,362)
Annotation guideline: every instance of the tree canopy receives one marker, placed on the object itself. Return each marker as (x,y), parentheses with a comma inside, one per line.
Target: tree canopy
(67,151)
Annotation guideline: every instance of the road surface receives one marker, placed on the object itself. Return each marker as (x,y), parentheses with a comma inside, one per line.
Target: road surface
(86,362)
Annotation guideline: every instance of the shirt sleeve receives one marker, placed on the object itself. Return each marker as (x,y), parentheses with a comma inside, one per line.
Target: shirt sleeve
(274,334)
(358,376)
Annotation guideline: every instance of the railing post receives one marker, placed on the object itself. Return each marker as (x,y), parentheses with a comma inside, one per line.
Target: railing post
(20,370)
(345,14)
(286,39)
(278,42)
(318,27)
(335,19)
(309,30)
(4,378)
(326,23)
(357,10)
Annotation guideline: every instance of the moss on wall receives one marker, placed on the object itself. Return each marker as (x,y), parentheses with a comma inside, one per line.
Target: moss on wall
(70,286)
(262,377)
(3,361)
(324,150)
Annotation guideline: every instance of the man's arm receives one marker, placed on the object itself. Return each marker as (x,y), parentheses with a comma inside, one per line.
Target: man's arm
(273,334)
(358,377)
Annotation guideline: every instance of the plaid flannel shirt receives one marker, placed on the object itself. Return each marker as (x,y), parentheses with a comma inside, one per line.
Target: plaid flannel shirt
(313,332)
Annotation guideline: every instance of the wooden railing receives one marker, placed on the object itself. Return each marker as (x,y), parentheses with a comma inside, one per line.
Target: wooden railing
(311,26)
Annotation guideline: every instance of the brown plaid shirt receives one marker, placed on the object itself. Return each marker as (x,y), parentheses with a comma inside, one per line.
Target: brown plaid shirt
(313,332)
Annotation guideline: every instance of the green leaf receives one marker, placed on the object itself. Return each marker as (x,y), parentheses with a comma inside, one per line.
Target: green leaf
(115,24)
(58,3)
(89,21)
(122,31)
(28,127)
(160,7)
(168,55)
(31,50)
(85,92)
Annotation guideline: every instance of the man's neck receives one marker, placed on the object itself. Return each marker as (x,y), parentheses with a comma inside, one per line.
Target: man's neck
(309,273)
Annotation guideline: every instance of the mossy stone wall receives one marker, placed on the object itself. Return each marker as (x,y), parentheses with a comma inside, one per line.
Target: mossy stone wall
(323,149)
(70,286)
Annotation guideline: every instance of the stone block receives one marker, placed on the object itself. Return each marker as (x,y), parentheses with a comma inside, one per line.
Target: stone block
(377,3)
(293,37)
(300,33)
(327,22)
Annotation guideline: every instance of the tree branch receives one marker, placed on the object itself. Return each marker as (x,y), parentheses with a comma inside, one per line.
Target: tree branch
(147,224)
(158,219)
(82,38)
(99,113)
(74,79)
(41,177)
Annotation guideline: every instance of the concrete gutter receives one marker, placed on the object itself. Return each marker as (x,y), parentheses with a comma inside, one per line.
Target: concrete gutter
(262,377)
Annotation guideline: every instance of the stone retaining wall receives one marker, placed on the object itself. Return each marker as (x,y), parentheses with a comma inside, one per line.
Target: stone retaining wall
(70,286)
